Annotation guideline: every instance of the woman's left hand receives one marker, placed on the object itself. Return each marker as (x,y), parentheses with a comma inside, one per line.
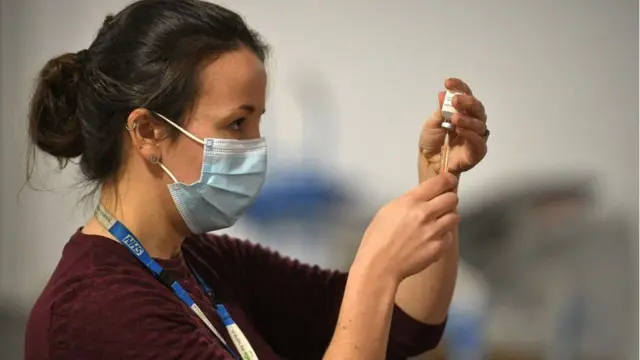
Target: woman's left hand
(468,142)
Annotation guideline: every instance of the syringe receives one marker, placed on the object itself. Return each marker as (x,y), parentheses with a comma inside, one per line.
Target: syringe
(447,112)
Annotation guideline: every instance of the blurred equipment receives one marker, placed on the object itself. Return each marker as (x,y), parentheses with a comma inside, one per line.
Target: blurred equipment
(305,191)
(465,334)
(300,204)
(13,320)
(558,270)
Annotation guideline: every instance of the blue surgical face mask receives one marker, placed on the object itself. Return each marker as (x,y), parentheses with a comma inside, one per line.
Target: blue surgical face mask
(232,175)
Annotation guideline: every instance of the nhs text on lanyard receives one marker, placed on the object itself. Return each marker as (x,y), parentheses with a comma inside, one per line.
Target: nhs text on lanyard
(126,238)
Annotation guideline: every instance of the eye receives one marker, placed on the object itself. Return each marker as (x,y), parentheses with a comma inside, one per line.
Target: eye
(237,124)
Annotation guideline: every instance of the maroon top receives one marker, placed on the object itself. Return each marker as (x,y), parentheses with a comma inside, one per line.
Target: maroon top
(101,303)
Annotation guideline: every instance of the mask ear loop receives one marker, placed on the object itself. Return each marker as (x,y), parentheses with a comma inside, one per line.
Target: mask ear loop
(185,132)
(180,129)
(153,158)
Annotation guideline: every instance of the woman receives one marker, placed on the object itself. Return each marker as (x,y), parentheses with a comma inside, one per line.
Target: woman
(171,93)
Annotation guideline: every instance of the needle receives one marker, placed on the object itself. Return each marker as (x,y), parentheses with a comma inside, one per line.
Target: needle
(444,154)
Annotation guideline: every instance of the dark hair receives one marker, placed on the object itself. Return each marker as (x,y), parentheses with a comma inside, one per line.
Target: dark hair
(146,56)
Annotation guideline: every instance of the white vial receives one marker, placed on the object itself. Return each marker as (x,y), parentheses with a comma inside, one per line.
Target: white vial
(447,108)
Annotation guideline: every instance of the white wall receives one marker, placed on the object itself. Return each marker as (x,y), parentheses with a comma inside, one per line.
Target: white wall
(559,80)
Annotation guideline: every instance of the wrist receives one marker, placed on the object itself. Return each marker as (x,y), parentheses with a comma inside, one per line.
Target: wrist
(371,275)
(364,322)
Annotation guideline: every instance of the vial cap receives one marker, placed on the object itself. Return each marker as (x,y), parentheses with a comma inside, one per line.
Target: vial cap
(447,125)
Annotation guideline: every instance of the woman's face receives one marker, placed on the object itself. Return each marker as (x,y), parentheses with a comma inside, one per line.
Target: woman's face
(229,106)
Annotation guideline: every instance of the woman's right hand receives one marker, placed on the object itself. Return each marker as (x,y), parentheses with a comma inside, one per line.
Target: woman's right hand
(413,231)
(405,237)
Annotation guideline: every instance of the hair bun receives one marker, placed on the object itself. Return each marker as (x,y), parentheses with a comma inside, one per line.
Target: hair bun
(54,124)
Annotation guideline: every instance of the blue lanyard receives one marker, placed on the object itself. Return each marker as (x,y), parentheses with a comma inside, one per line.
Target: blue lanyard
(220,308)
(126,238)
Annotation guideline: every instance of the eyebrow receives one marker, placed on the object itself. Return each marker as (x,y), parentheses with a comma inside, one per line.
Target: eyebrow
(249,108)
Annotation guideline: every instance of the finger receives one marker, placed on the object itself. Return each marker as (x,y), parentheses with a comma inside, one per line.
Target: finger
(477,142)
(433,187)
(448,238)
(436,231)
(440,205)
(457,84)
(434,121)
(446,223)
(433,250)
(470,105)
(470,123)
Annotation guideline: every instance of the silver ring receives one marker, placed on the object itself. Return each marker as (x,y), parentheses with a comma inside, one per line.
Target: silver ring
(133,126)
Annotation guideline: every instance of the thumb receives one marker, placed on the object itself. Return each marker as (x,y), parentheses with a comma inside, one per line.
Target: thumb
(440,98)
(435,120)
(433,187)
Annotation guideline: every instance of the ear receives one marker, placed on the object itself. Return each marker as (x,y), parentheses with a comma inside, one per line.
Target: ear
(146,133)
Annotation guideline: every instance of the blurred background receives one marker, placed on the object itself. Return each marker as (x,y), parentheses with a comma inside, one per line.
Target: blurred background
(549,235)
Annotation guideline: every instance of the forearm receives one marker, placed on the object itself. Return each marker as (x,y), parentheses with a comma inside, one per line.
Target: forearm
(362,331)
(427,295)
